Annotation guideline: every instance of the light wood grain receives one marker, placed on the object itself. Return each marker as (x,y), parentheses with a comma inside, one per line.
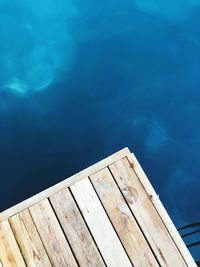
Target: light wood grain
(99,224)
(123,220)
(9,252)
(28,240)
(64,184)
(75,229)
(146,215)
(52,236)
(32,235)
(161,210)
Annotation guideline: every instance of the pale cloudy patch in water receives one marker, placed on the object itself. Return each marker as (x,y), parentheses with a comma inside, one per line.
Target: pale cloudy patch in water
(173,10)
(157,136)
(38,48)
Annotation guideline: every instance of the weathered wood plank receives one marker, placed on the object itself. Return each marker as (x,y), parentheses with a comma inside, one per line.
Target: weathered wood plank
(9,252)
(129,232)
(146,215)
(161,210)
(64,184)
(99,224)
(75,229)
(51,234)
(29,240)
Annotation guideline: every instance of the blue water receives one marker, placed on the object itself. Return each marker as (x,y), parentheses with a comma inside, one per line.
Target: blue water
(81,79)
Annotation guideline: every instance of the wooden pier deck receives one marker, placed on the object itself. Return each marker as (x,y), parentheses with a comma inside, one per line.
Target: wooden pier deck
(106,215)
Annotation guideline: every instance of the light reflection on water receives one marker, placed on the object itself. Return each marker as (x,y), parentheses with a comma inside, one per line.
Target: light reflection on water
(82,79)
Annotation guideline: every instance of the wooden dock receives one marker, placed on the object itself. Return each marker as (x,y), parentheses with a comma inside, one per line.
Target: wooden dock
(106,215)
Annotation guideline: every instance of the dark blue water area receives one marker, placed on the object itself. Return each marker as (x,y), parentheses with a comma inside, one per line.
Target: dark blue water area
(80,80)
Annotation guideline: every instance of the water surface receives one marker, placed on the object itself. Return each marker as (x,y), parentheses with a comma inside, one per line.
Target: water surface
(80,80)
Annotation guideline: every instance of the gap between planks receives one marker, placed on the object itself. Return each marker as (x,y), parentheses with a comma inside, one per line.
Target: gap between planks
(136,167)
(153,197)
(76,230)
(122,219)
(64,184)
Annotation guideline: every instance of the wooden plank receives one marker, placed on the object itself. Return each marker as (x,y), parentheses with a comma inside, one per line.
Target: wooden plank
(9,252)
(75,229)
(64,184)
(146,215)
(51,234)
(123,220)
(99,224)
(29,240)
(161,210)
